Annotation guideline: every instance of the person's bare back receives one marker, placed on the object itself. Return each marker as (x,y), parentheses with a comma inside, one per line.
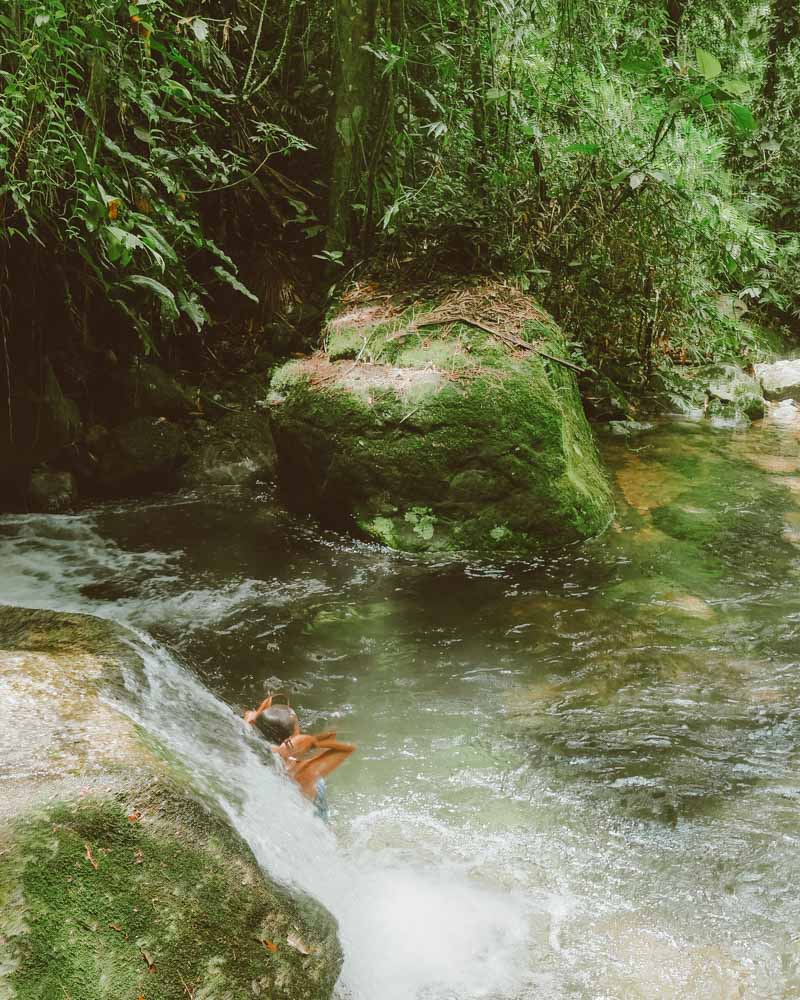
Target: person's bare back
(308,757)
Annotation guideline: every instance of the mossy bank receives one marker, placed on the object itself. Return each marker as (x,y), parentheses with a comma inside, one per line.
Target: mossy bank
(449,423)
(116,880)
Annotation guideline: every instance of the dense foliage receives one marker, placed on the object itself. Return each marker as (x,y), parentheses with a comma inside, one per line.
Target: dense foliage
(169,168)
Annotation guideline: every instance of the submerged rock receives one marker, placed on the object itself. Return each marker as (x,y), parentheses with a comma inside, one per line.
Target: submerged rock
(235,451)
(424,429)
(780,379)
(115,880)
(629,428)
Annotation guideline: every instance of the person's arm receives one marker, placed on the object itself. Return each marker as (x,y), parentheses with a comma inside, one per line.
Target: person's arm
(253,713)
(308,772)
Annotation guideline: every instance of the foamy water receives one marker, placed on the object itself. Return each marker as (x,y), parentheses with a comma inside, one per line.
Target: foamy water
(575,779)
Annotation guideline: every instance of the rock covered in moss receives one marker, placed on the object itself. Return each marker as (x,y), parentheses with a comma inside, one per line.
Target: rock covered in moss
(733,394)
(723,392)
(442,426)
(52,492)
(142,455)
(115,881)
(236,450)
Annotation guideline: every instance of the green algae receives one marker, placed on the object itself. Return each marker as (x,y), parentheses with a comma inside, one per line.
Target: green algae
(145,894)
(492,445)
(116,880)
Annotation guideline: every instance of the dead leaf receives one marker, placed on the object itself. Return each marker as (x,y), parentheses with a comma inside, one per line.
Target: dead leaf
(270,946)
(135,816)
(298,944)
(116,927)
(90,856)
(138,857)
(151,965)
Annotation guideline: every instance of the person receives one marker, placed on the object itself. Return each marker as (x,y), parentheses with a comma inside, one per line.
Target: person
(280,725)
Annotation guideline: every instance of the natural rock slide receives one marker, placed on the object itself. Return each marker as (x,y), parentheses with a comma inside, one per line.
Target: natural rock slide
(117,880)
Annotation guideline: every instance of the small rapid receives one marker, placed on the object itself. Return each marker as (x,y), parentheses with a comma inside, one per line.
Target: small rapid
(575,778)
(407,930)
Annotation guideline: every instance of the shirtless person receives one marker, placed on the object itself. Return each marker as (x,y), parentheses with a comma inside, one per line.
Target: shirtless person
(280,725)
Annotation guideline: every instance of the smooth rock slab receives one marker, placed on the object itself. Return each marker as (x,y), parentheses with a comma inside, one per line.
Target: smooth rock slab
(115,880)
(780,379)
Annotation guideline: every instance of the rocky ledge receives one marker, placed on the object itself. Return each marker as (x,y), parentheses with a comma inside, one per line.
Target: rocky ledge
(116,880)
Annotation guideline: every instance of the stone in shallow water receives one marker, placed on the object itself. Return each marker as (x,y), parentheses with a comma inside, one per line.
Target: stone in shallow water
(441,436)
(780,379)
(626,428)
(784,414)
(687,604)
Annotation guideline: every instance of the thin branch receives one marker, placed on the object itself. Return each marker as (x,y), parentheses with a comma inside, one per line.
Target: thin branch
(508,338)
(255,47)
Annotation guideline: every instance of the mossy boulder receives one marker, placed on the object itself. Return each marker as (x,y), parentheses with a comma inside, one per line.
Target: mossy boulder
(427,432)
(142,455)
(116,881)
(38,424)
(723,392)
(236,450)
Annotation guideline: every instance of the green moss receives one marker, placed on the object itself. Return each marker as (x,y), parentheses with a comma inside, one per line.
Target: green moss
(500,457)
(98,907)
(125,859)
(345,343)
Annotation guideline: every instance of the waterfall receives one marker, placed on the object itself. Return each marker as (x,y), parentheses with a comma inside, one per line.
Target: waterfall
(407,931)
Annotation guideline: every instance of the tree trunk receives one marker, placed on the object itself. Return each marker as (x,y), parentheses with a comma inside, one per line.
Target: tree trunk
(351,116)
(674,19)
(785,26)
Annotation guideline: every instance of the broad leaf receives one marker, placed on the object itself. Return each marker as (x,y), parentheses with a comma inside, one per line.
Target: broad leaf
(229,279)
(587,148)
(743,117)
(200,29)
(163,293)
(708,65)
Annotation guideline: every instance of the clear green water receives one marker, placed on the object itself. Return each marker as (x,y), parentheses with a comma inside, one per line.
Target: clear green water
(575,778)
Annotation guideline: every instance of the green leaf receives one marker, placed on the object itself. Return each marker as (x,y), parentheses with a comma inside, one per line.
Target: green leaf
(708,65)
(124,238)
(200,29)
(737,88)
(586,148)
(706,102)
(191,307)
(229,279)
(637,64)
(163,293)
(743,117)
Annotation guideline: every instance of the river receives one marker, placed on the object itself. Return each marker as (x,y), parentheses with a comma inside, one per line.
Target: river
(576,777)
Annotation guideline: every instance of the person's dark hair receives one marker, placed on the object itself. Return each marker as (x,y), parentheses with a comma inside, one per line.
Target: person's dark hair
(277,723)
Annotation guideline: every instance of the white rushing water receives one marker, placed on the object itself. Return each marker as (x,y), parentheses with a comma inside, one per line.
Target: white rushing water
(574,781)
(409,929)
